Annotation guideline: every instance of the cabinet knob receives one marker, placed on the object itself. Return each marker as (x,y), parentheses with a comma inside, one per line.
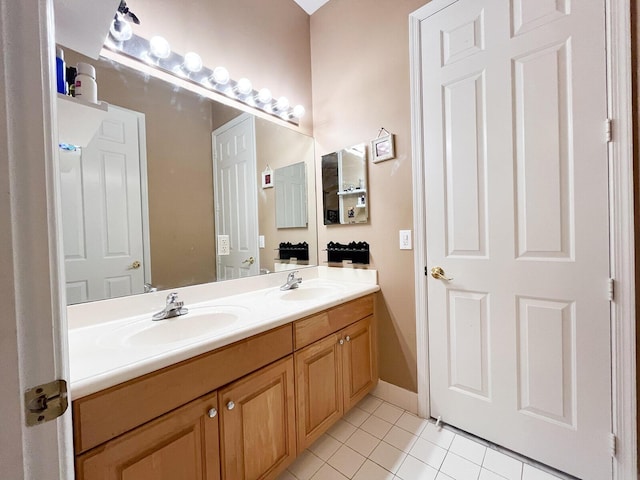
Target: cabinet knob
(212,412)
(348,339)
(341,341)
(230,405)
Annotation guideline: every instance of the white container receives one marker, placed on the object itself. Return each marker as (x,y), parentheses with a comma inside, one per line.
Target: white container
(86,86)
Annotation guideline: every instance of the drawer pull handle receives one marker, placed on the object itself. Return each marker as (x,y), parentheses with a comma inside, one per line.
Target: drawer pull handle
(212,412)
(230,405)
(348,339)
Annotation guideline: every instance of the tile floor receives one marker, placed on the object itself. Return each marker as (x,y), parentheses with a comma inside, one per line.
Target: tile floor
(379,441)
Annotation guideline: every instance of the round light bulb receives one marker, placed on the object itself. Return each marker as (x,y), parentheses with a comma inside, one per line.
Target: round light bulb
(298,111)
(244,86)
(159,47)
(264,95)
(192,62)
(120,29)
(282,104)
(220,76)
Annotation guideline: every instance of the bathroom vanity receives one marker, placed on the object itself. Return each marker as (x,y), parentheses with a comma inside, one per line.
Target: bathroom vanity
(240,410)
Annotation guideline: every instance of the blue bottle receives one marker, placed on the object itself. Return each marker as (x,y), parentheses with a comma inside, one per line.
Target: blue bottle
(61,72)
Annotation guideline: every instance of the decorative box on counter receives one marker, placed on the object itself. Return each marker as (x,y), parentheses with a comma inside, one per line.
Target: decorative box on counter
(299,251)
(356,252)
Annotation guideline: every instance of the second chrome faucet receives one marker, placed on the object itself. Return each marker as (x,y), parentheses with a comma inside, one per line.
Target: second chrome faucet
(292,281)
(173,308)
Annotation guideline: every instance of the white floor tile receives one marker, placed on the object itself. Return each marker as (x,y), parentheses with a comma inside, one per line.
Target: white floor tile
(286,475)
(443,476)
(369,403)
(372,471)
(325,446)
(388,457)
(400,439)
(328,473)
(388,412)
(411,423)
(459,468)
(376,426)
(341,430)
(305,466)
(532,473)
(467,448)
(362,442)
(428,452)
(502,464)
(356,417)
(439,436)
(346,461)
(489,475)
(414,469)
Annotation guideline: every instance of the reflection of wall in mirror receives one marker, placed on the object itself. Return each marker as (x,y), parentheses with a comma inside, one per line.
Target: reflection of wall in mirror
(178,128)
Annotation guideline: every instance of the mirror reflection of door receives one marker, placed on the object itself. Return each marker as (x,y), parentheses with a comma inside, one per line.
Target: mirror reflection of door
(101,188)
(236,203)
(291,196)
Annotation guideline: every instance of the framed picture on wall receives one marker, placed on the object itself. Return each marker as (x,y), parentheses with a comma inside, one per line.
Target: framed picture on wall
(383,148)
(267,178)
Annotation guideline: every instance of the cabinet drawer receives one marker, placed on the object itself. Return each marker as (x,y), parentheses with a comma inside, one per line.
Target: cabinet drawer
(116,410)
(310,329)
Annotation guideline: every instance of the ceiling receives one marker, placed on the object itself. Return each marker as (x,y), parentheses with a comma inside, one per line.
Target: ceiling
(311,6)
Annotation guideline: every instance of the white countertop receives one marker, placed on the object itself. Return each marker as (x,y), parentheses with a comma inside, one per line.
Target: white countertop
(113,341)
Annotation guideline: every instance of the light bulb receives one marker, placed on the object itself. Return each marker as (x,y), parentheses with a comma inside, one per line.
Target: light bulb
(298,111)
(264,96)
(192,62)
(220,76)
(120,29)
(159,47)
(244,86)
(282,104)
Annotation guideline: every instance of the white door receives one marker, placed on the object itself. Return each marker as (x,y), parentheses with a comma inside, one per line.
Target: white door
(236,201)
(102,212)
(291,196)
(514,108)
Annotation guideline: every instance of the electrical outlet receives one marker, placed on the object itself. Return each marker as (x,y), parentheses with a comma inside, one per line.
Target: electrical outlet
(405,239)
(223,245)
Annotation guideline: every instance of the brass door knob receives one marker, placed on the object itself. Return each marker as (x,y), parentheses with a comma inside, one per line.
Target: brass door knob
(135,265)
(438,273)
(250,260)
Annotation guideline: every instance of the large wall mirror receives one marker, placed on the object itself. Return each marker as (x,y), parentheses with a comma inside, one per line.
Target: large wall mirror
(169,193)
(344,186)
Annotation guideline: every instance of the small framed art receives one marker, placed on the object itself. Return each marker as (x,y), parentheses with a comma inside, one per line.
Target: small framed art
(383,148)
(267,178)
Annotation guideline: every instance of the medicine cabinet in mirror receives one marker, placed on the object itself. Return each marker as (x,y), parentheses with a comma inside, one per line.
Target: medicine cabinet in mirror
(167,238)
(344,186)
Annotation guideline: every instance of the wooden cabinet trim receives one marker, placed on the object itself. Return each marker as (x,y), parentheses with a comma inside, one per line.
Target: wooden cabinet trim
(315,327)
(116,410)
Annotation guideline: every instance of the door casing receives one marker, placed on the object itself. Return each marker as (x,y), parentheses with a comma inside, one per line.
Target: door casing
(622,258)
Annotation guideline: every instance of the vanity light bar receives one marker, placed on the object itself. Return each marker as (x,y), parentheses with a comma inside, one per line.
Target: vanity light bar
(189,67)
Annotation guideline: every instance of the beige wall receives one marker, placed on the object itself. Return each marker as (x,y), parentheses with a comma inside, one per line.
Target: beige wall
(265,41)
(360,65)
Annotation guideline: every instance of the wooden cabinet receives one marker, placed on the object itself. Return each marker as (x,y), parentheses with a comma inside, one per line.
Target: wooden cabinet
(332,375)
(182,444)
(257,424)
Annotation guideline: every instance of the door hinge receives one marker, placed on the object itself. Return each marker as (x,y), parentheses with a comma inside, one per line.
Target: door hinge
(608,130)
(611,289)
(612,444)
(45,402)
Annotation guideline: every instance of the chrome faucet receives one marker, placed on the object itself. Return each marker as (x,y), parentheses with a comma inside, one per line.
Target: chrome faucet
(173,308)
(292,282)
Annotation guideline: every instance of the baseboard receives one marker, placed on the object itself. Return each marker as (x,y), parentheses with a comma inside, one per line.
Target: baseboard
(398,396)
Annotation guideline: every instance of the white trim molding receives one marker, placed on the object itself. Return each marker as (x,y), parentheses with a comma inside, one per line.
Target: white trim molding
(623,314)
(398,396)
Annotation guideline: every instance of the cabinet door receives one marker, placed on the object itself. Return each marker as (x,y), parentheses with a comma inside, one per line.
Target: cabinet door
(319,388)
(257,423)
(359,361)
(182,444)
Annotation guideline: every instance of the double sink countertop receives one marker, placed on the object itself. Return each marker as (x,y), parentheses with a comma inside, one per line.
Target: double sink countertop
(113,341)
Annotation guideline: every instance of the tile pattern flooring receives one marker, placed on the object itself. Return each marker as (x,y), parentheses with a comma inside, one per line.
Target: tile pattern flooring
(379,441)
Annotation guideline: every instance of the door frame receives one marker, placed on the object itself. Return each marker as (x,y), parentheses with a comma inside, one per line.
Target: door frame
(621,227)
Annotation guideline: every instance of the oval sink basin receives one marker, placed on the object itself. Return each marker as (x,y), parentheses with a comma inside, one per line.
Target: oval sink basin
(199,322)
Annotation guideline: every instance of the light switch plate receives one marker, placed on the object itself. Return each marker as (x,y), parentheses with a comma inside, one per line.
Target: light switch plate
(223,245)
(261,241)
(405,239)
